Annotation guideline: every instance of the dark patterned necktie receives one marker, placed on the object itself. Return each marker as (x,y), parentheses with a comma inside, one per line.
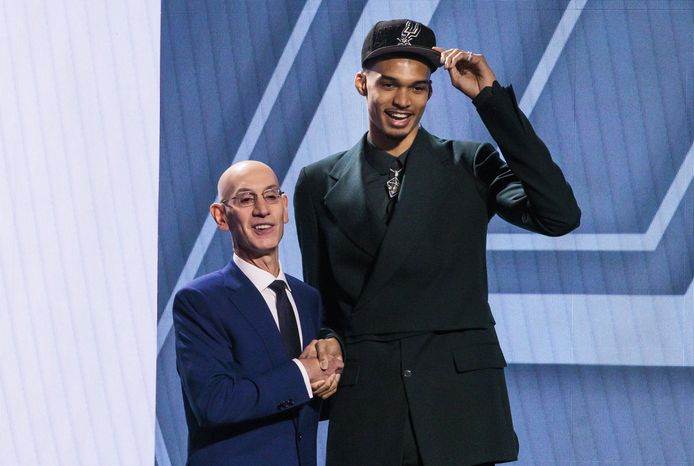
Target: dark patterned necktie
(287,321)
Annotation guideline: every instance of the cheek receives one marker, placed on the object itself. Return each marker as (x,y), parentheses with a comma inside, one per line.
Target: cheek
(238,231)
(421,106)
(374,100)
(237,227)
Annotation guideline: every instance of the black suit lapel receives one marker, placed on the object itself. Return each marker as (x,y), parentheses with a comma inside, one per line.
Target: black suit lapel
(346,200)
(428,178)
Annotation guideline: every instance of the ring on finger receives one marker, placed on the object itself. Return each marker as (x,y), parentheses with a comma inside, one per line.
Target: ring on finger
(469,56)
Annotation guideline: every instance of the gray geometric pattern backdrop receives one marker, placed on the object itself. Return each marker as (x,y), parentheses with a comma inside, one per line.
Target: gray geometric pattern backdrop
(598,326)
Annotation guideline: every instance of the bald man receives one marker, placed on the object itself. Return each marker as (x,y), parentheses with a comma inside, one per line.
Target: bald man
(251,394)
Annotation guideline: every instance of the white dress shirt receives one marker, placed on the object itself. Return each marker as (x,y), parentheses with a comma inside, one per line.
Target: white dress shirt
(262,280)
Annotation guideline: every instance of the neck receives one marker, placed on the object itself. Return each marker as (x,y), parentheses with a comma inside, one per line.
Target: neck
(268,262)
(395,147)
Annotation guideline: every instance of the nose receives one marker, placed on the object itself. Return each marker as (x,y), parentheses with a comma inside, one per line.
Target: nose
(401,98)
(261,207)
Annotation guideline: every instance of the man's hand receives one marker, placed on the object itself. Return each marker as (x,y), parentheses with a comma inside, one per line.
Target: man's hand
(469,71)
(326,388)
(329,354)
(323,384)
(323,362)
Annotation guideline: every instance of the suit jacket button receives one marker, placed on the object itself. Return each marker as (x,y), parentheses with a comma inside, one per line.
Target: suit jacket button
(407,373)
(300,436)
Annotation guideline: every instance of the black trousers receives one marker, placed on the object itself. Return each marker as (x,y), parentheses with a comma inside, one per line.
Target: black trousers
(410,451)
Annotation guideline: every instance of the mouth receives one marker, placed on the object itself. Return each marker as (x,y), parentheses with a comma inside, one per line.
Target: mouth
(398,118)
(263,228)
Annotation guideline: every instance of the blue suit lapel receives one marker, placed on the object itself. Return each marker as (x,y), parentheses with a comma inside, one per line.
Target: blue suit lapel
(250,303)
(248,300)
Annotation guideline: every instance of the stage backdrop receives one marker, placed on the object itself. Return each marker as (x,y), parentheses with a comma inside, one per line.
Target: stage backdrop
(598,326)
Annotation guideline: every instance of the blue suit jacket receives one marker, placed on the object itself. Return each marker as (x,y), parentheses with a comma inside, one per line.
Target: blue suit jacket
(245,400)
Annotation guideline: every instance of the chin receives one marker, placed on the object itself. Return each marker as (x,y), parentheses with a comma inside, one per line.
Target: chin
(271,245)
(266,248)
(398,134)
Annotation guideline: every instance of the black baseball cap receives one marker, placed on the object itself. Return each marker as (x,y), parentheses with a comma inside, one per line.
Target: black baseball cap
(401,37)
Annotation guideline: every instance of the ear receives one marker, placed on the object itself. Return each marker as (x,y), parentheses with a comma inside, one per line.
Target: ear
(218,212)
(285,203)
(360,83)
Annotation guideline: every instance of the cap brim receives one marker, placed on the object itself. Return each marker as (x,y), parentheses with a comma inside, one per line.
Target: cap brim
(430,56)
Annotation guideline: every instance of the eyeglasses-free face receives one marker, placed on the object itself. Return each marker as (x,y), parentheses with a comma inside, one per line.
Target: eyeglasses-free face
(397,91)
(249,198)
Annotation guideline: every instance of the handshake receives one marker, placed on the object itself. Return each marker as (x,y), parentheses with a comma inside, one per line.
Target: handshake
(323,362)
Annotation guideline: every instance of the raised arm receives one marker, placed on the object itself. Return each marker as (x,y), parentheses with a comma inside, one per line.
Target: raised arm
(529,190)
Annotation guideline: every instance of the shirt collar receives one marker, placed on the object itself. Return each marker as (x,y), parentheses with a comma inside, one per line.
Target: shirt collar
(380,160)
(260,278)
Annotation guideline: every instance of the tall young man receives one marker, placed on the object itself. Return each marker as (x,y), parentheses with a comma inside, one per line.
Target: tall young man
(393,234)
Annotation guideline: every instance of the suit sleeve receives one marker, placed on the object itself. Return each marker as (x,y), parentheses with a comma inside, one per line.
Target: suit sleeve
(307,230)
(529,190)
(218,390)
(316,267)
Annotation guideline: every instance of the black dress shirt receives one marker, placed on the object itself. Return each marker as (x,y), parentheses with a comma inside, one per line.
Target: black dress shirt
(376,173)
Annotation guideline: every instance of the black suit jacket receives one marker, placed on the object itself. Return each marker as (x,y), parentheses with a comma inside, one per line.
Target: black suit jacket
(426,276)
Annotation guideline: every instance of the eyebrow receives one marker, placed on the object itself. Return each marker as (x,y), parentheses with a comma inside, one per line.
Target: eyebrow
(391,78)
(249,190)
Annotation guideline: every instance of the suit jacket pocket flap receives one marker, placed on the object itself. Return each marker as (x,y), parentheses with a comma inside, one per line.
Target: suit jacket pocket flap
(476,357)
(350,374)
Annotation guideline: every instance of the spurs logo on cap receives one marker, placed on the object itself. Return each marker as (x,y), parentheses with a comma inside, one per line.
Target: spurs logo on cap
(409,32)
(401,37)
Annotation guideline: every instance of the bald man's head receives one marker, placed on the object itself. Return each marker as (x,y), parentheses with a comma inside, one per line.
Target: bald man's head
(252,208)
(238,171)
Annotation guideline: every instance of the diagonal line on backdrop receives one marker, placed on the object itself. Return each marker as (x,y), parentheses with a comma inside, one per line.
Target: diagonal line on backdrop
(552,53)
(647,241)
(161,452)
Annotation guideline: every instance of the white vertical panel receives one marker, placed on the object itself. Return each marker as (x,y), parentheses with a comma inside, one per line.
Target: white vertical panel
(78,247)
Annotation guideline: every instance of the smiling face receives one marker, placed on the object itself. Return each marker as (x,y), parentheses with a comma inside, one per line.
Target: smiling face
(257,229)
(397,91)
